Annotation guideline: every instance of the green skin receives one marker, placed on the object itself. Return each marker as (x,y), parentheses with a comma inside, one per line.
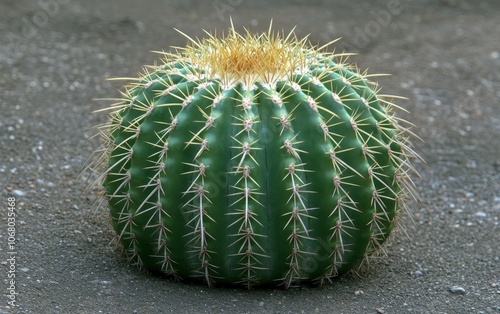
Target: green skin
(277,185)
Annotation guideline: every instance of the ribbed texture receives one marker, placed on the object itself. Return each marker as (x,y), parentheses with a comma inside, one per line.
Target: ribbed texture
(280,182)
(261,185)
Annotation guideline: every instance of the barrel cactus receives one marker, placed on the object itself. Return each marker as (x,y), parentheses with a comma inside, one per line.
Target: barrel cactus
(253,159)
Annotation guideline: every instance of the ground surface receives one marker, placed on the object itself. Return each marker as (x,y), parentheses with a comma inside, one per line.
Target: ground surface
(56,55)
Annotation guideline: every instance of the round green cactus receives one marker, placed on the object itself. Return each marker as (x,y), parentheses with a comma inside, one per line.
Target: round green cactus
(254,160)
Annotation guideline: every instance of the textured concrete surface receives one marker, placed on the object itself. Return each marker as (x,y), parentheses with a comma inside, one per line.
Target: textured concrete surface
(55,57)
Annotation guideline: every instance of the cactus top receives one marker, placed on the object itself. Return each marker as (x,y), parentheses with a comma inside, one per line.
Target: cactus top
(249,58)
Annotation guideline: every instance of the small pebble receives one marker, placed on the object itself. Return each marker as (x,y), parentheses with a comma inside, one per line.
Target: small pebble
(358,292)
(457,290)
(418,273)
(380,311)
(480,214)
(101,282)
(18,193)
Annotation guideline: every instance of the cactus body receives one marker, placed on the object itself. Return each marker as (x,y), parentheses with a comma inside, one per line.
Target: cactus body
(253,160)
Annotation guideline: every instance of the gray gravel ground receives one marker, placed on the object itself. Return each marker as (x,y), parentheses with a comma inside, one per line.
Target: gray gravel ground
(55,56)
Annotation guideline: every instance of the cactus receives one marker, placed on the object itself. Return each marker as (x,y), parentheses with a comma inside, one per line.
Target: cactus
(254,160)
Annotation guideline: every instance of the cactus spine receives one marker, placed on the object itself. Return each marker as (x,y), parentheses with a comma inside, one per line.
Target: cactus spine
(254,160)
